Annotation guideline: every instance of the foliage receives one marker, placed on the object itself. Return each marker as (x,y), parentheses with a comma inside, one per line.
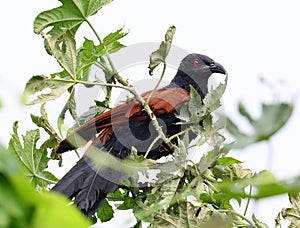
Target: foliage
(272,118)
(185,193)
(292,214)
(160,55)
(22,206)
(33,159)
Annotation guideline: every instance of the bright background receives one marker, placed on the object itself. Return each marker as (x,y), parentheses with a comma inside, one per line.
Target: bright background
(251,39)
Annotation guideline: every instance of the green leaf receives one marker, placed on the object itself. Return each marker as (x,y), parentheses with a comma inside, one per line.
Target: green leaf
(64,52)
(209,217)
(138,224)
(160,55)
(264,183)
(110,43)
(62,74)
(69,16)
(87,56)
(28,208)
(43,122)
(213,99)
(278,221)
(117,195)
(69,106)
(196,107)
(1,104)
(274,117)
(105,212)
(187,215)
(41,89)
(210,159)
(7,164)
(293,214)
(271,120)
(61,117)
(91,113)
(227,161)
(127,204)
(33,159)
(239,172)
(165,221)
(162,197)
(233,129)
(243,111)
(72,105)
(89,52)
(22,206)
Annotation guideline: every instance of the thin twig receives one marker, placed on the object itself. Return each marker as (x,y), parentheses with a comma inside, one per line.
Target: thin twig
(248,200)
(151,145)
(158,83)
(180,133)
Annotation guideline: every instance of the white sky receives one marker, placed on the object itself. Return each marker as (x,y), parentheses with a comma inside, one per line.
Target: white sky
(249,38)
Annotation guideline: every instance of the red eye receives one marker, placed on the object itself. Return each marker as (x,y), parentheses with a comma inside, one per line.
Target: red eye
(196,63)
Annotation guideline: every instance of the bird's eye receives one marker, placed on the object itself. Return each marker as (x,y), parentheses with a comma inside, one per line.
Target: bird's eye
(196,63)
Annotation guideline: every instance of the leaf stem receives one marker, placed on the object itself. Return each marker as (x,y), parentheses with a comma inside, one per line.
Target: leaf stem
(114,70)
(42,178)
(248,200)
(158,83)
(151,145)
(180,133)
(211,186)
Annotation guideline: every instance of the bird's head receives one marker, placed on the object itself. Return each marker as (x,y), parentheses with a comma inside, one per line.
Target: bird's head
(195,69)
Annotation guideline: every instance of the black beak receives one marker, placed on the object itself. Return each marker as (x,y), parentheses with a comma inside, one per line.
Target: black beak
(217,68)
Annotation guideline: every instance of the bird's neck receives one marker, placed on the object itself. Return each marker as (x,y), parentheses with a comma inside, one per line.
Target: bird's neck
(184,81)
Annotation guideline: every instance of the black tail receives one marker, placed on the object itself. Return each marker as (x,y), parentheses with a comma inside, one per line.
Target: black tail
(88,186)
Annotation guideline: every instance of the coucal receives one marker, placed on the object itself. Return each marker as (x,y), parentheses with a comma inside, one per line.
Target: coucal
(126,126)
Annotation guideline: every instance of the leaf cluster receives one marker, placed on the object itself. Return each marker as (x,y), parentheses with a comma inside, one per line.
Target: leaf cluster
(20,204)
(185,193)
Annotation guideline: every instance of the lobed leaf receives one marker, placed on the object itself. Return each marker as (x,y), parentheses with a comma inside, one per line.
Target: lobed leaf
(227,161)
(41,89)
(293,214)
(64,52)
(69,16)
(160,55)
(89,52)
(273,117)
(22,206)
(213,99)
(105,212)
(110,43)
(127,204)
(33,159)
(265,185)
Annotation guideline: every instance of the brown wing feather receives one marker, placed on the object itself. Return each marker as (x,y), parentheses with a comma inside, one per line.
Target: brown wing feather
(163,101)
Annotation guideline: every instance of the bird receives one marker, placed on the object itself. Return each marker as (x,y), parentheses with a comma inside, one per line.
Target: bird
(128,126)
